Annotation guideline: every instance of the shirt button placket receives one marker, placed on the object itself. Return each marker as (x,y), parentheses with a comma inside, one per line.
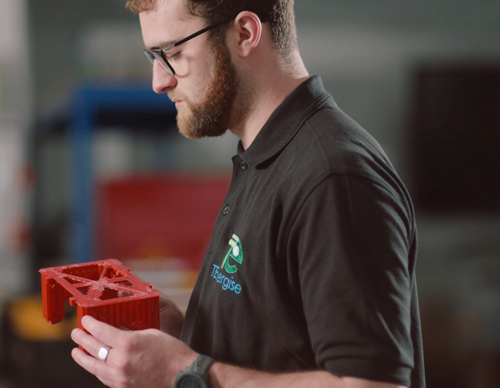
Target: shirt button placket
(243,167)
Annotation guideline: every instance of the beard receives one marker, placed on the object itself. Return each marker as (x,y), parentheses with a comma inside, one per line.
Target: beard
(216,112)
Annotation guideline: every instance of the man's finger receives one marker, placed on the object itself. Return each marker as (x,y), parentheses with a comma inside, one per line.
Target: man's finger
(92,365)
(86,341)
(107,334)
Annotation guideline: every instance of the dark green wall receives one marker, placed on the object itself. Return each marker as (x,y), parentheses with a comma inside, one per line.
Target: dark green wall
(54,26)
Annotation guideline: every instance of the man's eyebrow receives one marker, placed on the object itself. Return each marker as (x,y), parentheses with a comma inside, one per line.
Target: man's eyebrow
(162,45)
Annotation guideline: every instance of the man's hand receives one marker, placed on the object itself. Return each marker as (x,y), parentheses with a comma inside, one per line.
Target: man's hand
(146,358)
(171,318)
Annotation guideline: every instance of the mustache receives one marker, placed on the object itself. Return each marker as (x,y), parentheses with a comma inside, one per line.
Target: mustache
(177,96)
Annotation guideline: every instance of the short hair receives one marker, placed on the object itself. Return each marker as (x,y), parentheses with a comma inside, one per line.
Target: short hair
(278,13)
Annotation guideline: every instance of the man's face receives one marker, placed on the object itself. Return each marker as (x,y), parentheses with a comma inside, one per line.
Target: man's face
(205,87)
(211,116)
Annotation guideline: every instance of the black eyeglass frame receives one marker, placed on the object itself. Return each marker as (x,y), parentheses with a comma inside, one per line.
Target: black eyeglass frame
(159,55)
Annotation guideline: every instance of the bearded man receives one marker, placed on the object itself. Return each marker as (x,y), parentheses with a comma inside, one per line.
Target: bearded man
(309,278)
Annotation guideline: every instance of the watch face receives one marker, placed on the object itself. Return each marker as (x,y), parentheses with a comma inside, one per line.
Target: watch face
(191,381)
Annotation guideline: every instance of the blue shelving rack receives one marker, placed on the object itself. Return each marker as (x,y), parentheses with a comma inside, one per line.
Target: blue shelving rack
(88,102)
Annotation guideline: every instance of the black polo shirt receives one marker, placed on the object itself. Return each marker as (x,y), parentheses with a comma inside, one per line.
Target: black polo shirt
(312,259)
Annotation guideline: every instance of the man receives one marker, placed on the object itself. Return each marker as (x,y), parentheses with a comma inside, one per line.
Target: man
(309,279)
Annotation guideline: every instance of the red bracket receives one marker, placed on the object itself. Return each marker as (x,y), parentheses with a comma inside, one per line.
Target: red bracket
(105,289)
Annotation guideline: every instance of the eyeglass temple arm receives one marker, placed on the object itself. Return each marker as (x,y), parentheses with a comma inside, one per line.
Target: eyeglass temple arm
(263,20)
(201,32)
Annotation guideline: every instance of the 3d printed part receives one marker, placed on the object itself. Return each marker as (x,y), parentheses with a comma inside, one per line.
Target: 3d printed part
(105,289)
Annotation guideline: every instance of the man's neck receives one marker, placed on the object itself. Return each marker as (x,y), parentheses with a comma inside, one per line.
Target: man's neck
(271,89)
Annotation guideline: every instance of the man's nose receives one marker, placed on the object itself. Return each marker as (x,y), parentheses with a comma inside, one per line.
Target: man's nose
(162,81)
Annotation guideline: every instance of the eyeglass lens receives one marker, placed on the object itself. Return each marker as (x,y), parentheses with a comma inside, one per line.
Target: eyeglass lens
(152,55)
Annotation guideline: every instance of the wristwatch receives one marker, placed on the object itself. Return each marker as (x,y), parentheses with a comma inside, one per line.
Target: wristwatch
(195,375)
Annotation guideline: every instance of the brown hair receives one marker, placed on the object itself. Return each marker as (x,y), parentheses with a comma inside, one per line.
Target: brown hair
(278,13)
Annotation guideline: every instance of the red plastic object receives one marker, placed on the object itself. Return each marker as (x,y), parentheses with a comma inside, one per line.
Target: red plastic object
(104,289)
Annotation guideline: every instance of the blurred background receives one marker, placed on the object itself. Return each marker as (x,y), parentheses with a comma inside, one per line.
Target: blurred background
(92,166)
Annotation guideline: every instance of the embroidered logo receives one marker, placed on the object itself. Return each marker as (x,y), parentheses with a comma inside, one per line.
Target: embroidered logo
(235,254)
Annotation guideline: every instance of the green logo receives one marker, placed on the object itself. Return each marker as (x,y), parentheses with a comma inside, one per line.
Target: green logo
(235,253)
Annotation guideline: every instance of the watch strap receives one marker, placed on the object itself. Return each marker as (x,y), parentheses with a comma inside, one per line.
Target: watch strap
(201,366)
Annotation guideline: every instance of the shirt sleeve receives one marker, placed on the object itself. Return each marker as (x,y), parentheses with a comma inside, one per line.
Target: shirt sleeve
(351,238)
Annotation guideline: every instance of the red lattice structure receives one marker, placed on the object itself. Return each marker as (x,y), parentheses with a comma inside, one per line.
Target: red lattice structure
(104,289)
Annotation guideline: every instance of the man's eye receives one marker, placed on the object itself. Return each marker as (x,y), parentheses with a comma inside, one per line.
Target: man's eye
(173,57)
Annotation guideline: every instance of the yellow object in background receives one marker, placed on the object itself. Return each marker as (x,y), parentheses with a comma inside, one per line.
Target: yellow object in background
(27,321)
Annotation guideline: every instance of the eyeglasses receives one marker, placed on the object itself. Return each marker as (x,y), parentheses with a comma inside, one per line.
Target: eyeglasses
(160,56)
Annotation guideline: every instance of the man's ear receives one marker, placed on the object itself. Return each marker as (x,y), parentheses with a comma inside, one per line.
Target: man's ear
(247,31)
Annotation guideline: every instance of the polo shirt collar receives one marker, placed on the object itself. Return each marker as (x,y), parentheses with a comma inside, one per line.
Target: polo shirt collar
(285,121)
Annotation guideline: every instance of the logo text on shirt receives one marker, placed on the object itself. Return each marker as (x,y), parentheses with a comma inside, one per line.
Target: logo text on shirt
(235,254)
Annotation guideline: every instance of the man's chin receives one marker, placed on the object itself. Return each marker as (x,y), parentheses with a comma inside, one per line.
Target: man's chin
(187,128)
(190,128)
(189,133)
(184,123)
(186,131)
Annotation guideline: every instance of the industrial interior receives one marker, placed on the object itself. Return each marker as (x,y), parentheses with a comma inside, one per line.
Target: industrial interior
(92,166)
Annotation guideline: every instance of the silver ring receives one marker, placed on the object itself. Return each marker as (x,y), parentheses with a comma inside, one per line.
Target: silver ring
(103,354)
